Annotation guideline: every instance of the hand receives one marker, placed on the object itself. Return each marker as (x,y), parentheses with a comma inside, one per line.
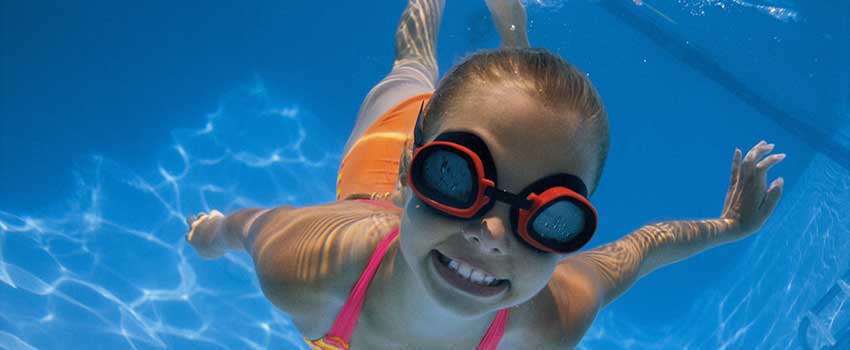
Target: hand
(193,221)
(748,204)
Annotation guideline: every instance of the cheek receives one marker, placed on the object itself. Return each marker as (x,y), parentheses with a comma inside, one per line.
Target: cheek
(546,266)
(535,272)
(421,229)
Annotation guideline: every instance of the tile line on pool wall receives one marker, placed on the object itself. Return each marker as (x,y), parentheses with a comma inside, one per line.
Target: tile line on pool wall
(695,57)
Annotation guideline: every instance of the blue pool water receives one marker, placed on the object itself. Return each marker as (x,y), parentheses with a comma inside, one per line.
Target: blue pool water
(119,120)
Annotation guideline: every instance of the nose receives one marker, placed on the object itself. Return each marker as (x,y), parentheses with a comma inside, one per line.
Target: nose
(489,235)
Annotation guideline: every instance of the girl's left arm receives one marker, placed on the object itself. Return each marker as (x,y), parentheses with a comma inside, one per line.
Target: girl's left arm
(612,268)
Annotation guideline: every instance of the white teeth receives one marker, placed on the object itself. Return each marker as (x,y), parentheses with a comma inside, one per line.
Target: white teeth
(470,274)
(477,276)
(465,270)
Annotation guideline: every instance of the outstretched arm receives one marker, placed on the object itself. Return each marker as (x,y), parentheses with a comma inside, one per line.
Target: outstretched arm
(213,234)
(614,267)
(304,257)
(509,17)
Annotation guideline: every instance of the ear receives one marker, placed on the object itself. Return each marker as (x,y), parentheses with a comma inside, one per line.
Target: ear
(402,192)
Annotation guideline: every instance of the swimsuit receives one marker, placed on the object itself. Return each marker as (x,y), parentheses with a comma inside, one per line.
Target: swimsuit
(370,168)
(339,337)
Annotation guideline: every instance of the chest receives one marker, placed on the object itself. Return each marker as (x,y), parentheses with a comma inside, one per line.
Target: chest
(369,338)
(380,328)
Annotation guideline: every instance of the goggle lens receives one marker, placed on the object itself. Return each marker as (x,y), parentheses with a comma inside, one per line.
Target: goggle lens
(448,178)
(560,221)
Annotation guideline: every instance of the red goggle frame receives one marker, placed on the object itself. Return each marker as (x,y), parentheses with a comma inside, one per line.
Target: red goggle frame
(524,209)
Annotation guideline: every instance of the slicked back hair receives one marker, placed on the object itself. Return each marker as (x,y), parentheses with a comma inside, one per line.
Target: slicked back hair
(542,74)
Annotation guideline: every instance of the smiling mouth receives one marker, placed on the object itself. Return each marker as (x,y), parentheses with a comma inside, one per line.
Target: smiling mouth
(466,278)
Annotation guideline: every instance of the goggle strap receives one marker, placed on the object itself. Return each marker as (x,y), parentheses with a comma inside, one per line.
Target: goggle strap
(507,197)
(417,130)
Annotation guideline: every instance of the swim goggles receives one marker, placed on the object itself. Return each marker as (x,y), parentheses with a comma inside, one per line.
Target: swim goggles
(456,176)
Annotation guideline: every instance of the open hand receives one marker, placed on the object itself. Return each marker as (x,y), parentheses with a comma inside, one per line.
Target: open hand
(749,201)
(193,221)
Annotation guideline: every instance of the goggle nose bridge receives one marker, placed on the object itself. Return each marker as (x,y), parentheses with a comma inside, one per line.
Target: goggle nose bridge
(512,199)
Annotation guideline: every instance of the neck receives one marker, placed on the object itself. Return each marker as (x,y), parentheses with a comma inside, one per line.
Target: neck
(400,307)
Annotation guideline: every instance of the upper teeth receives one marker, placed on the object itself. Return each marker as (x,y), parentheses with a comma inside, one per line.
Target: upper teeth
(471,274)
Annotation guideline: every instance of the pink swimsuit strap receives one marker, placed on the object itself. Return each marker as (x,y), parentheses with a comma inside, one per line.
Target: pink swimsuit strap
(346,320)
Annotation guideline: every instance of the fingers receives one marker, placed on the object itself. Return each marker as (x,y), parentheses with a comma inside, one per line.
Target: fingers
(190,219)
(750,201)
(769,162)
(772,197)
(755,167)
(734,179)
(756,153)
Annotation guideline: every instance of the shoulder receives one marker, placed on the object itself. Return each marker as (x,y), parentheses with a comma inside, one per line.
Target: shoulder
(319,245)
(307,259)
(558,316)
(343,224)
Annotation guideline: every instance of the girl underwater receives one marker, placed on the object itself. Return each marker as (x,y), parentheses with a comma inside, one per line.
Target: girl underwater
(461,205)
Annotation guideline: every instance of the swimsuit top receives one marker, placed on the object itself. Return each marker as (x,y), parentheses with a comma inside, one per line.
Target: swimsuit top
(339,337)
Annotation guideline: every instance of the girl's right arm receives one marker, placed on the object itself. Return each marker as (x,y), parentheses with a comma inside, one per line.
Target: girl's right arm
(306,259)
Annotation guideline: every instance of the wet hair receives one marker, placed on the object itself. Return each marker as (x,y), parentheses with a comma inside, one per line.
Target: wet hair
(542,74)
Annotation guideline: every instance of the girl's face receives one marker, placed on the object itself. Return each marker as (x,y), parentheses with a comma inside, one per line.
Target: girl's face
(527,142)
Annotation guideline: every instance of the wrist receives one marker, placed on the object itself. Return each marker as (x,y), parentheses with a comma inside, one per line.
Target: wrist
(730,230)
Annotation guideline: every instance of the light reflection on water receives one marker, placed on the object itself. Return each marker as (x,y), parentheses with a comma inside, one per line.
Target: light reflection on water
(113,270)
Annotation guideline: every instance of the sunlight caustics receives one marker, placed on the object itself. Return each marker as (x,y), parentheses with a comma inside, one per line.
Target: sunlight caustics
(102,272)
(112,270)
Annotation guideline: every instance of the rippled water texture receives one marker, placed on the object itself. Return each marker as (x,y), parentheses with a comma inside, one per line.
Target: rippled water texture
(111,269)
